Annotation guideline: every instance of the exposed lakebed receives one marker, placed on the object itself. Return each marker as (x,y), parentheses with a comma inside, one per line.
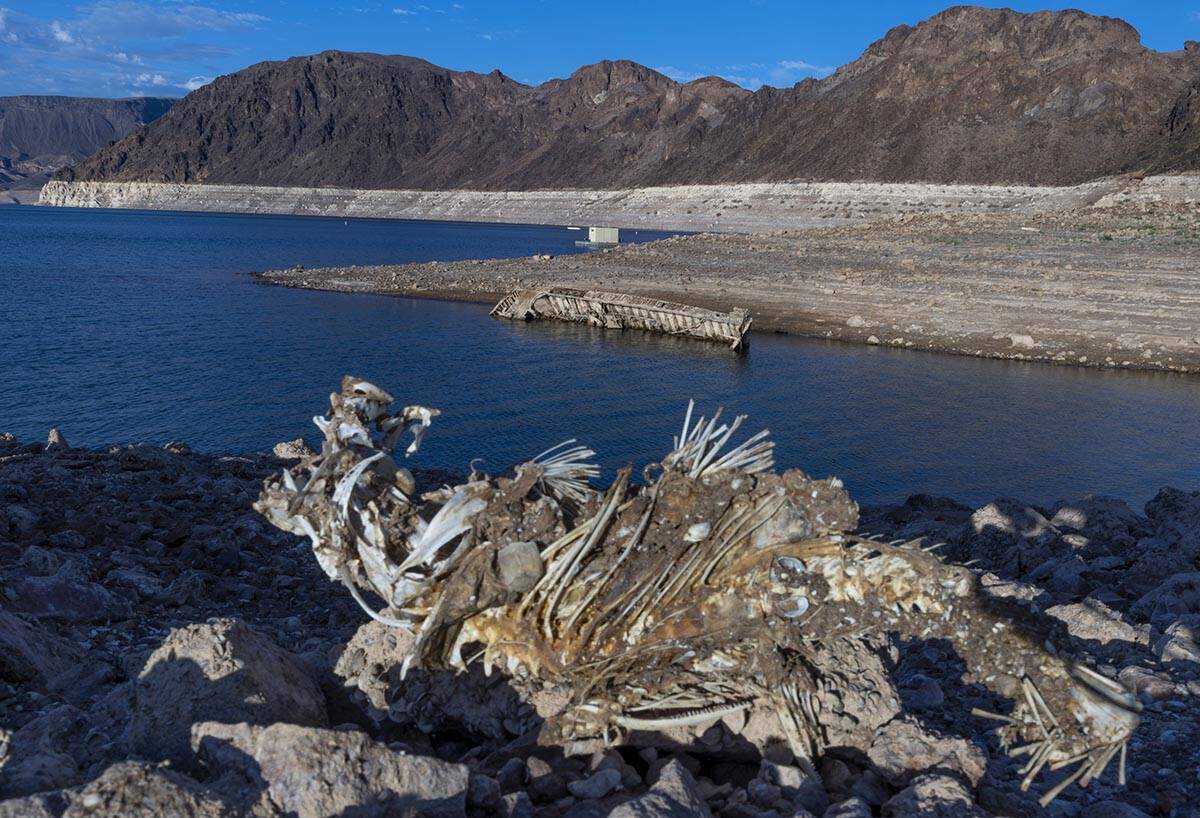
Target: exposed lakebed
(128,326)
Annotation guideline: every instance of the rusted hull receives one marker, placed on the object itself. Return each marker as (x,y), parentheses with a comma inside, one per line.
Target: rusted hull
(619,311)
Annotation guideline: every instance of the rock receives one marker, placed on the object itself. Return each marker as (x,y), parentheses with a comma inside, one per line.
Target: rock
(763,793)
(856,321)
(34,656)
(42,805)
(1175,542)
(483,792)
(1176,518)
(1177,596)
(798,785)
(292,449)
(545,783)
(850,808)
(39,756)
(511,775)
(902,749)
(55,442)
(135,789)
(220,671)
(316,773)
(597,785)
(673,795)
(933,796)
(1091,620)
(1181,642)
(1114,809)
(1021,341)
(613,760)
(922,692)
(470,703)
(68,597)
(1007,536)
(520,565)
(872,788)
(1107,522)
(17,522)
(1148,685)
(1064,577)
(872,340)
(516,805)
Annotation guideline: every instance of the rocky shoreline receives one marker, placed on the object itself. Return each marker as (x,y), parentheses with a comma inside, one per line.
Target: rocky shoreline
(1108,285)
(163,650)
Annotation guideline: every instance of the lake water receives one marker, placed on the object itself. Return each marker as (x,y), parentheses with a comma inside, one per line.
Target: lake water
(120,326)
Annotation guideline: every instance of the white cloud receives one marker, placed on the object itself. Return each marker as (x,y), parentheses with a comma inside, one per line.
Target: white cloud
(6,35)
(789,72)
(404,12)
(61,34)
(110,47)
(678,74)
(196,82)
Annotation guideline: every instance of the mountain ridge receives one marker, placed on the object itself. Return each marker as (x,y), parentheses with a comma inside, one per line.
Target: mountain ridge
(40,134)
(969,95)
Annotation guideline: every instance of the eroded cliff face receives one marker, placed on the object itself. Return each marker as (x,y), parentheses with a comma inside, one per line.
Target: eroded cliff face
(970,95)
(746,207)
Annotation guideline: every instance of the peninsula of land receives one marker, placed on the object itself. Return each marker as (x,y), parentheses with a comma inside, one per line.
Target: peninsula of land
(1098,275)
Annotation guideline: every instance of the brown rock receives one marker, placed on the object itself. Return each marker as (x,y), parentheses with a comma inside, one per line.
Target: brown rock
(933,796)
(134,789)
(223,671)
(315,773)
(903,749)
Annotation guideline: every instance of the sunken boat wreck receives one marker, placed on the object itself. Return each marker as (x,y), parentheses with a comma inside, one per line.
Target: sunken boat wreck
(623,311)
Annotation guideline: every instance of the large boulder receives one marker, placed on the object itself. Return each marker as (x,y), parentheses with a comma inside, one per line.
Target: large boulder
(314,773)
(221,670)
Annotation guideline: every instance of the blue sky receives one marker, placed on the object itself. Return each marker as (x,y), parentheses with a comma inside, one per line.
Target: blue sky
(168,47)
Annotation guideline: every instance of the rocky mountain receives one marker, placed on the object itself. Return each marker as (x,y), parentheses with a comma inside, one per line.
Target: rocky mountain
(971,95)
(39,135)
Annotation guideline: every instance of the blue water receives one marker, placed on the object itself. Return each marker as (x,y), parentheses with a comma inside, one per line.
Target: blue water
(121,326)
